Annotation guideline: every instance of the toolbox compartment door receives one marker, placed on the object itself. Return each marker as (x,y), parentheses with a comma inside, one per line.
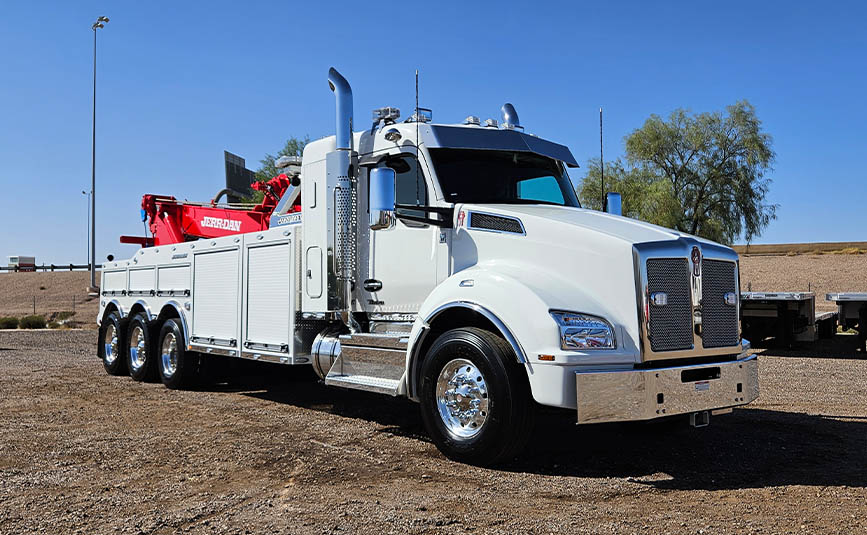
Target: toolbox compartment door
(268,306)
(216,285)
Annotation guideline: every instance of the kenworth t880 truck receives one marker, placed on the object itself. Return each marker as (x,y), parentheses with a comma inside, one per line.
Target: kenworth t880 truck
(451,264)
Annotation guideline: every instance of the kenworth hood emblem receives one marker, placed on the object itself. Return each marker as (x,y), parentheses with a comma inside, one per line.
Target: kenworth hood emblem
(696,261)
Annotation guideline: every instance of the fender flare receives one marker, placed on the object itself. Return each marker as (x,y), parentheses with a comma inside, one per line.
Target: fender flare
(180,310)
(117,306)
(145,307)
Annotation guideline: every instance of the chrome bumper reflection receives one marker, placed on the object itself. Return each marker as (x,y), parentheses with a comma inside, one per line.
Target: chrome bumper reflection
(626,395)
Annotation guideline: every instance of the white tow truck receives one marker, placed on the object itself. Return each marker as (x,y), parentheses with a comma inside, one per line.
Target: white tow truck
(451,264)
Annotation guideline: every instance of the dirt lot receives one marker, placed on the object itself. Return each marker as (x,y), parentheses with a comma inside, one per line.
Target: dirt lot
(60,291)
(275,452)
(820,273)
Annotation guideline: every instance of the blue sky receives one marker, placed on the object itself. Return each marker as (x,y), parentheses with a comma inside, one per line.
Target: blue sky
(179,82)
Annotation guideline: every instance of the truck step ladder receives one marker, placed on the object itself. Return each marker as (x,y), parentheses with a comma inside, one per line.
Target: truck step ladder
(374,362)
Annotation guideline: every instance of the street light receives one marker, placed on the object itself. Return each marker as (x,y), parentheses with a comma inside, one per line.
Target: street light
(88,225)
(100,23)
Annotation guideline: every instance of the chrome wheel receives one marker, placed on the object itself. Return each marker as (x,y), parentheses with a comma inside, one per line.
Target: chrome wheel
(169,355)
(137,348)
(462,398)
(110,348)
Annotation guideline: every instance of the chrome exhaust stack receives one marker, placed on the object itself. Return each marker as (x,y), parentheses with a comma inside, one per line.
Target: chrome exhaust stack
(340,168)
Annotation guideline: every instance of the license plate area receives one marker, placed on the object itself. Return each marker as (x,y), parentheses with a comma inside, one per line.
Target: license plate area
(700,374)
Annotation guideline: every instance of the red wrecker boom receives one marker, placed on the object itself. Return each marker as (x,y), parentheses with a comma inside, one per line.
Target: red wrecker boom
(174,221)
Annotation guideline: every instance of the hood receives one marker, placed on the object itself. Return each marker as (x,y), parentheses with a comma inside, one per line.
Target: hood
(619,227)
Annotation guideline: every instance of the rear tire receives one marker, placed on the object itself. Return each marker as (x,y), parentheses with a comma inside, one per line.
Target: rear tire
(140,349)
(475,399)
(111,345)
(177,367)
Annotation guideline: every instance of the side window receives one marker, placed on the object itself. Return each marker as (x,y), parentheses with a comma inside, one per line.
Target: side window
(410,187)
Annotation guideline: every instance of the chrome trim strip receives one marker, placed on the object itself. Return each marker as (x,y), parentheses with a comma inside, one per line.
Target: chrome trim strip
(201,348)
(507,334)
(180,310)
(146,308)
(414,345)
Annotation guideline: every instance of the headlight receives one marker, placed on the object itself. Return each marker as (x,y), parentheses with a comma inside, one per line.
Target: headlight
(583,331)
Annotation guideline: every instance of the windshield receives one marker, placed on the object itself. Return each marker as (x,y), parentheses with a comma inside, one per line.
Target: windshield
(491,176)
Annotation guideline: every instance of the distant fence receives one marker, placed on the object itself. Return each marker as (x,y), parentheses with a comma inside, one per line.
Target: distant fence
(770,249)
(50,267)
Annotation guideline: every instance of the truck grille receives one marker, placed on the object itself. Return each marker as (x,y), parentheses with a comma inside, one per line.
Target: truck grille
(670,325)
(719,320)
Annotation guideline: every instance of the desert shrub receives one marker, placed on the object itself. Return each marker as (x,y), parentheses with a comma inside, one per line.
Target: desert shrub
(32,322)
(8,323)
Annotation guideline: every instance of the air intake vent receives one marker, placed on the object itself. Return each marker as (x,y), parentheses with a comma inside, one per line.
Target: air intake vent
(496,223)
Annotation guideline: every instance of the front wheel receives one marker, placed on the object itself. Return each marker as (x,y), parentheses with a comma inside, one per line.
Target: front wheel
(475,399)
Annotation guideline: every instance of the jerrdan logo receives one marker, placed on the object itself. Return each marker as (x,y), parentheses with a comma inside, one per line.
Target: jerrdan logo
(222,224)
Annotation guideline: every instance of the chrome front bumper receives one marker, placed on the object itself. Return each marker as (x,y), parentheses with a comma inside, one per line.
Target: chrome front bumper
(626,395)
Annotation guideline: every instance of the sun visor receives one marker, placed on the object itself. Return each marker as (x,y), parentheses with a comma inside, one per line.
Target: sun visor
(456,137)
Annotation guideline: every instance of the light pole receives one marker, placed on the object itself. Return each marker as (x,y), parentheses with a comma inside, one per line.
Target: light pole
(100,23)
(88,224)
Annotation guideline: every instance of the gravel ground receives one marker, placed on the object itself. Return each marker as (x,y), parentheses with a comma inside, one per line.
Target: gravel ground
(276,452)
(820,273)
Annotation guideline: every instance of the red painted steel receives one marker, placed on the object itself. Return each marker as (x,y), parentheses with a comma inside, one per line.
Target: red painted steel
(174,221)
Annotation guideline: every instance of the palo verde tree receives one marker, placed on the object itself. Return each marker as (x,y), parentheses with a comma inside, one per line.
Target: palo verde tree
(267,170)
(703,174)
(714,166)
(644,196)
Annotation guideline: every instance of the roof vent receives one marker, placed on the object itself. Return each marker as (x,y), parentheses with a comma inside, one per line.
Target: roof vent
(491,123)
(472,119)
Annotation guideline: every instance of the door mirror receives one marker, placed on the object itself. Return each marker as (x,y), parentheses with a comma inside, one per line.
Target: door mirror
(381,198)
(613,203)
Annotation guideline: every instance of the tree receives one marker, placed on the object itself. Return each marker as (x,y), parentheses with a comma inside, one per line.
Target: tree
(714,165)
(267,170)
(644,196)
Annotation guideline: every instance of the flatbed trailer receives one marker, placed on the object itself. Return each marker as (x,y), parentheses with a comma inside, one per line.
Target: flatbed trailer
(788,317)
(852,313)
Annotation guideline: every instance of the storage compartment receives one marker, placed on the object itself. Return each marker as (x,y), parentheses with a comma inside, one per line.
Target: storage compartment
(142,281)
(216,282)
(269,311)
(173,280)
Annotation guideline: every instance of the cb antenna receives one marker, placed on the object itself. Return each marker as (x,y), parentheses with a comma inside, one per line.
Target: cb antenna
(601,161)
(417,148)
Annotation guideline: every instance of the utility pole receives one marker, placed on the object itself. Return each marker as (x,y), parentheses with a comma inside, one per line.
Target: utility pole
(100,23)
(88,225)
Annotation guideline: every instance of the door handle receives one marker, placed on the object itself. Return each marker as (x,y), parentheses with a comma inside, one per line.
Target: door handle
(372,285)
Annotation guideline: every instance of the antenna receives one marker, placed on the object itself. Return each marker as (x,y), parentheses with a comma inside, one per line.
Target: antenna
(417,148)
(601,160)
